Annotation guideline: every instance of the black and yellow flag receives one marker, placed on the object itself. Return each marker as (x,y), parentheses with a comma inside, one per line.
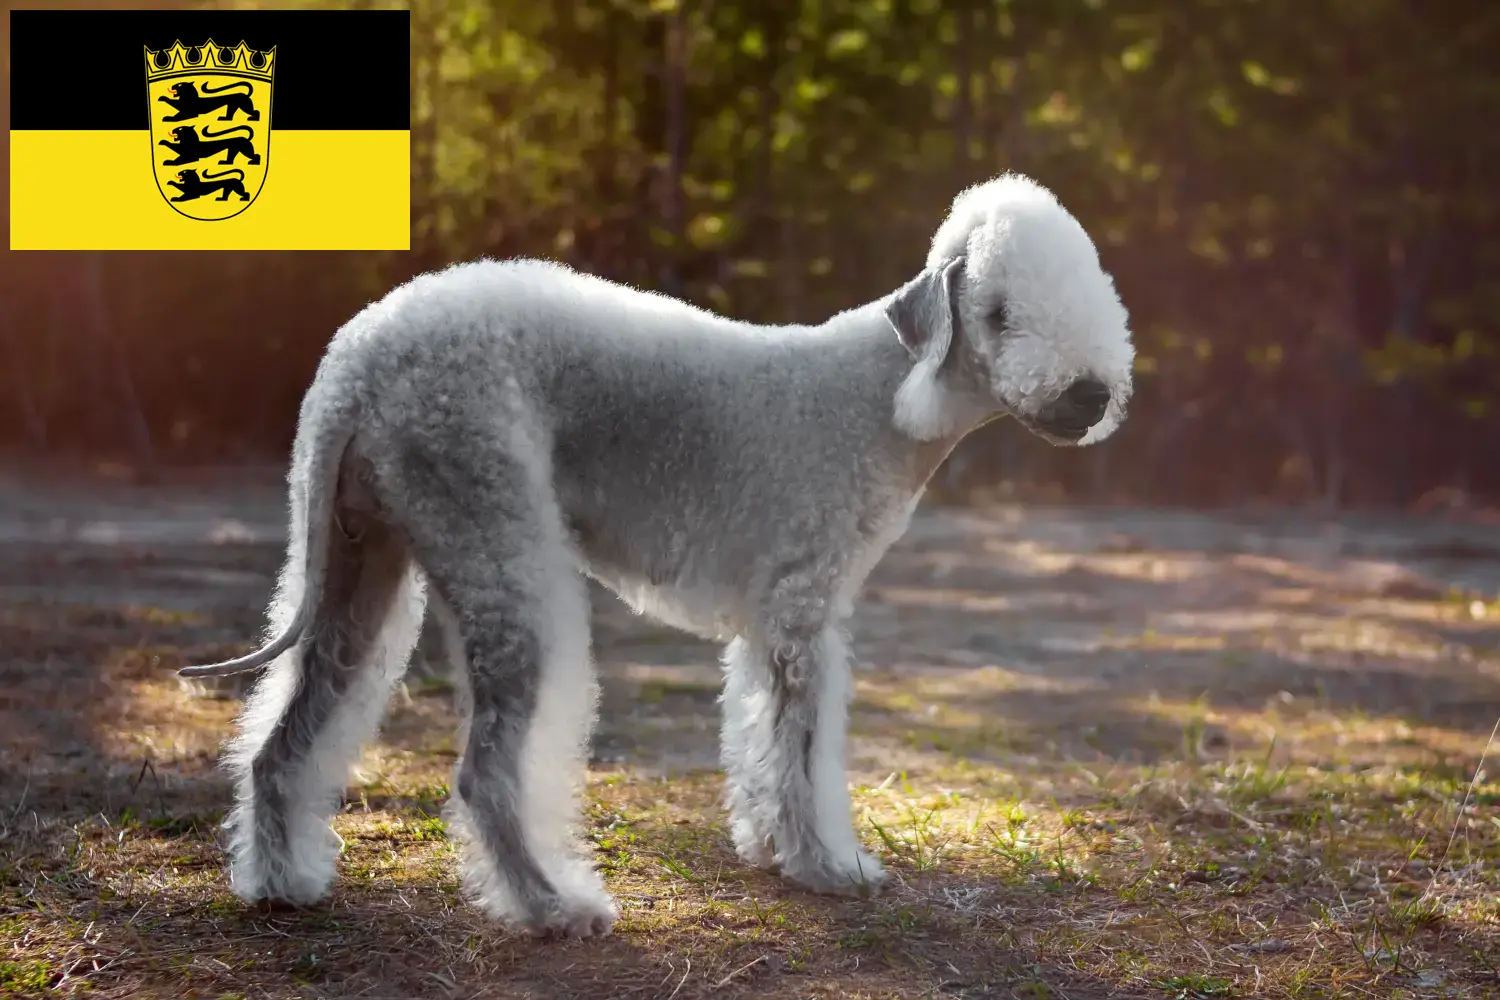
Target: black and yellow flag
(210,130)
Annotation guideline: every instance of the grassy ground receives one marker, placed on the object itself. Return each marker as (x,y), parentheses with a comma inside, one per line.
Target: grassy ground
(1103,754)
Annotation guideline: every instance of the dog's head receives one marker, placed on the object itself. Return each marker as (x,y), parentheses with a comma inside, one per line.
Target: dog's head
(1013,301)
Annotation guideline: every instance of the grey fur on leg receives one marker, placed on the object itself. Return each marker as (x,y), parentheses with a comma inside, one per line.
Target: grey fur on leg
(523,422)
(514,612)
(306,718)
(748,794)
(785,717)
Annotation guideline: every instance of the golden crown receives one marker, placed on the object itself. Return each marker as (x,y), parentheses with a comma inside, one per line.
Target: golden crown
(210,57)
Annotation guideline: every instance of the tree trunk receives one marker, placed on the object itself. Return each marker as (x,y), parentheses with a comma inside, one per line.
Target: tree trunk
(763,232)
(963,101)
(102,335)
(605,240)
(21,376)
(424,57)
(651,137)
(674,81)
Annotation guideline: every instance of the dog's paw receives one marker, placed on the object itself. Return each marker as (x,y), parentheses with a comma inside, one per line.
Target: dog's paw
(578,917)
(859,876)
(286,888)
(275,872)
(755,848)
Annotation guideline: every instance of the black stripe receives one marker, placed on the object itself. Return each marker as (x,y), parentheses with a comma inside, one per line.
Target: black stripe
(85,69)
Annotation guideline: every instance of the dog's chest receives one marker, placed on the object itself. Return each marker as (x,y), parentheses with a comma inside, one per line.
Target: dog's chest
(651,567)
(706,612)
(885,530)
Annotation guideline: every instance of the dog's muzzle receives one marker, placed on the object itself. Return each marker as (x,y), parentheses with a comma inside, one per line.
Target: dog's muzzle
(1079,407)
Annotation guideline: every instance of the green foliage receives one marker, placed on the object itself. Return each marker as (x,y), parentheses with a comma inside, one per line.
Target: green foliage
(25,978)
(1191,987)
(1295,198)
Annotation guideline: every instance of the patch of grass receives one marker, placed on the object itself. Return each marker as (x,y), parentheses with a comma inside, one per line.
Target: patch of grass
(655,692)
(677,869)
(408,828)
(1417,914)
(181,826)
(1192,987)
(26,978)
(429,686)
(1120,879)
(1093,842)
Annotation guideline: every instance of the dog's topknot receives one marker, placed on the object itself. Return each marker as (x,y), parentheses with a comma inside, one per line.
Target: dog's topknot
(1013,203)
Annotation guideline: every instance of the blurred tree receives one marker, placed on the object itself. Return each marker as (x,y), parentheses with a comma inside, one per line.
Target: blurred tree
(1297,201)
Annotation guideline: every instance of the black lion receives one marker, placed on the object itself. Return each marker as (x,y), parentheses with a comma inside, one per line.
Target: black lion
(192,186)
(189,147)
(187,103)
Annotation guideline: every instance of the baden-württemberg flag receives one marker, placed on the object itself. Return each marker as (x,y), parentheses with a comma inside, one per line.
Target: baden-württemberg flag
(210,130)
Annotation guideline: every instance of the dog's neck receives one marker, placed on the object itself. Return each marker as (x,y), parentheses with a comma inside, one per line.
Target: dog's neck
(873,355)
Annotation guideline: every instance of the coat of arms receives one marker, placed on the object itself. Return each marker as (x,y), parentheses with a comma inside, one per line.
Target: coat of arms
(210,108)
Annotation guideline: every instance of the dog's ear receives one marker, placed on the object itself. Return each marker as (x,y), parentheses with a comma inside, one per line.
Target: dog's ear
(923,312)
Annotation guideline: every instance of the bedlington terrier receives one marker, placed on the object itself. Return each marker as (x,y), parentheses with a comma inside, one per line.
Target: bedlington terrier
(484,433)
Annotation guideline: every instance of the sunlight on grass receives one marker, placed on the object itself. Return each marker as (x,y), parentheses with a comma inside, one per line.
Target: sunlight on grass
(1239,875)
(1100,809)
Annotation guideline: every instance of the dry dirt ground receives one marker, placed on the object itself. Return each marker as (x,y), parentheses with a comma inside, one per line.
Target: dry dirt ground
(1105,753)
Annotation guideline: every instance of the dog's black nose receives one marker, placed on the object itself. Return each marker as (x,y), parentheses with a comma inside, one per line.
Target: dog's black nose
(1088,398)
(1080,407)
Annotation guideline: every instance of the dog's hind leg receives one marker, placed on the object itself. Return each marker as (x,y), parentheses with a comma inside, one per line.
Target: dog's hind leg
(507,591)
(303,725)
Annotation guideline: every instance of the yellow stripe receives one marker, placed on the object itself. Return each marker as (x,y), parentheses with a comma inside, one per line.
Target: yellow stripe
(343,190)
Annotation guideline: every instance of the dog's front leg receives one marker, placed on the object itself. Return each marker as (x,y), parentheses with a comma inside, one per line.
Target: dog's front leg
(786,703)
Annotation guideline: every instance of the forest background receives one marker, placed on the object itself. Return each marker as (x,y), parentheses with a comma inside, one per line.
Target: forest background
(1298,201)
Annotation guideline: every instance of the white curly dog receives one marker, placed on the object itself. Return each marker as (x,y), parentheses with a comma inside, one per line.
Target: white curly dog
(483,435)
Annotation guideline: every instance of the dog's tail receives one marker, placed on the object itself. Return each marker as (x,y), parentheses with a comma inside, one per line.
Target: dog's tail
(327,445)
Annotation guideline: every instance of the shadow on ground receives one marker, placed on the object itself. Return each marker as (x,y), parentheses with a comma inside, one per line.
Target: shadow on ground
(1121,666)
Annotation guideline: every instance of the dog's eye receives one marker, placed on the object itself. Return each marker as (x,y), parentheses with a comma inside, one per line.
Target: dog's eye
(999,317)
